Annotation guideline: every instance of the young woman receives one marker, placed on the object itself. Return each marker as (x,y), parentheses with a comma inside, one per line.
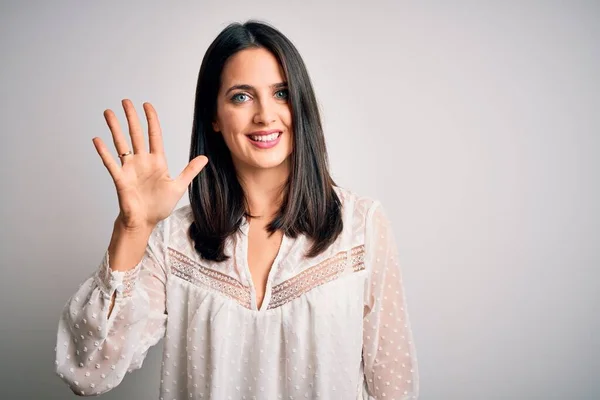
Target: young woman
(274,283)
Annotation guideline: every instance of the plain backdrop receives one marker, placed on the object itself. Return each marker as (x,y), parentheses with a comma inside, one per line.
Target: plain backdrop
(476,124)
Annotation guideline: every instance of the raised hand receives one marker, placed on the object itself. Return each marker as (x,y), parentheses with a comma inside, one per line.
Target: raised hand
(146,192)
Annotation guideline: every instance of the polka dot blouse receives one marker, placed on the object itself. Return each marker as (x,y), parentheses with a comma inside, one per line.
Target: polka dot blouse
(334,326)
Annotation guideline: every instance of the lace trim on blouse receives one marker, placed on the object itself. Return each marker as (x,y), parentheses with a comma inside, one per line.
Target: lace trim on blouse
(325,271)
(121,281)
(189,270)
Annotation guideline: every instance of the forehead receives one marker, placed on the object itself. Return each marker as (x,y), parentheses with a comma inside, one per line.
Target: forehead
(257,67)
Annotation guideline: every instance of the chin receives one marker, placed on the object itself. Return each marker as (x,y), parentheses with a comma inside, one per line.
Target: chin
(270,158)
(270,161)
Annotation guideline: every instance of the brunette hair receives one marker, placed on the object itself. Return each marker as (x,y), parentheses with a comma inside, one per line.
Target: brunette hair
(310,204)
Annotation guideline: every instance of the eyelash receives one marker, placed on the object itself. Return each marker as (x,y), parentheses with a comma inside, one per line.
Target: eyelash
(237,94)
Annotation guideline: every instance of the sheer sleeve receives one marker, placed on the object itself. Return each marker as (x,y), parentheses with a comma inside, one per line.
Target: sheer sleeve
(94,352)
(389,357)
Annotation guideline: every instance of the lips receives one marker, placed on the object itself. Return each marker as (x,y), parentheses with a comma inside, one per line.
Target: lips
(265,139)
(264,133)
(258,133)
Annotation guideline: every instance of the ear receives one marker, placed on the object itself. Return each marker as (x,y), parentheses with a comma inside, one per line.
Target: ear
(216,127)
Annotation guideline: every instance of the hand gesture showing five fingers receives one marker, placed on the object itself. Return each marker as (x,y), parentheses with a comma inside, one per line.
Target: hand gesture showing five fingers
(146,192)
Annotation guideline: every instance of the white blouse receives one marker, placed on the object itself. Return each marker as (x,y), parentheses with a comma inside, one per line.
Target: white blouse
(330,327)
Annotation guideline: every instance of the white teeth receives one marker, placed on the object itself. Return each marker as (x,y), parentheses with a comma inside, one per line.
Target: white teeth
(265,138)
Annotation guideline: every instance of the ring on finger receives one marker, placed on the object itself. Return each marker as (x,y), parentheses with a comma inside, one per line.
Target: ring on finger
(126,154)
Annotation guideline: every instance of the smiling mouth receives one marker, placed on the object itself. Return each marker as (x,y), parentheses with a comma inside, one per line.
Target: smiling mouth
(265,138)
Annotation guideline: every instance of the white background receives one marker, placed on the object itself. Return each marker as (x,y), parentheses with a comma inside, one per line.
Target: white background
(475,123)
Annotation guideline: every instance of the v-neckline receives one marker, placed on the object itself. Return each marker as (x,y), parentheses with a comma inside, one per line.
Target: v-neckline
(242,259)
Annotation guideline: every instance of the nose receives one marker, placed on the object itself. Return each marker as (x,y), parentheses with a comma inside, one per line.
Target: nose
(265,112)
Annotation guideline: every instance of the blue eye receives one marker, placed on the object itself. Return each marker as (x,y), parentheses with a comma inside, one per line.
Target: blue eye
(234,97)
(285,91)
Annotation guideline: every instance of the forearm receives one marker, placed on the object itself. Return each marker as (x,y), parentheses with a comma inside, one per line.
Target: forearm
(127,246)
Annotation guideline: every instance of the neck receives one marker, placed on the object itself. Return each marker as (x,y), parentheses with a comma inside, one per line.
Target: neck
(263,189)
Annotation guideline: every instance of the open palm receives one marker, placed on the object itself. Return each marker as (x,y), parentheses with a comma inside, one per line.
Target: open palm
(146,192)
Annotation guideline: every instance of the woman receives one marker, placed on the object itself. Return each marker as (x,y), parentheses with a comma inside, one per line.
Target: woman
(273,282)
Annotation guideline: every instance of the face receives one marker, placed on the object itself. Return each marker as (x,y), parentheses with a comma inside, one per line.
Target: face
(252,102)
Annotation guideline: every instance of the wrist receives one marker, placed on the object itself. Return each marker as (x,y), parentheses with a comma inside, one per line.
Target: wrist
(127,246)
(132,229)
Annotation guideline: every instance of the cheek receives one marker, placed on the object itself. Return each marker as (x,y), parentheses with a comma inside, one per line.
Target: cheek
(227,120)
(232,141)
(286,114)
(229,116)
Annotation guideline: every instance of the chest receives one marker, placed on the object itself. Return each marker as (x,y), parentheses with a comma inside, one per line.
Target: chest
(270,271)
(262,252)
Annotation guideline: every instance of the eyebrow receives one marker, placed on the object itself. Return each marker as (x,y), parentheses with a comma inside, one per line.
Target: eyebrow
(249,87)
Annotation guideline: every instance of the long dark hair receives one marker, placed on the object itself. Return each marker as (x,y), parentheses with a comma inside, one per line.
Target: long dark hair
(310,205)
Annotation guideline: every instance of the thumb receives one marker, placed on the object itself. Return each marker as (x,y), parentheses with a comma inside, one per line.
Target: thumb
(191,170)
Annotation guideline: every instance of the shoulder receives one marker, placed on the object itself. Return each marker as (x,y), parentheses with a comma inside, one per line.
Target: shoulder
(174,228)
(356,205)
(360,213)
(181,214)
(179,221)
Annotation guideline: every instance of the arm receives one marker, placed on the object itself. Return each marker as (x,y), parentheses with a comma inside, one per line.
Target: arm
(97,343)
(389,356)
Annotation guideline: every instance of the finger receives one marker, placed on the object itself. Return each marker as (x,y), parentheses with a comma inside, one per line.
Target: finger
(154,131)
(119,140)
(107,159)
(135,129)
(191,170)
